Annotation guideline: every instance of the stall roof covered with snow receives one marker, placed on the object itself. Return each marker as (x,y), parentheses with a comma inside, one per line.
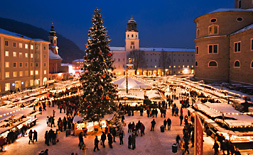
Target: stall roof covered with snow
(132,84)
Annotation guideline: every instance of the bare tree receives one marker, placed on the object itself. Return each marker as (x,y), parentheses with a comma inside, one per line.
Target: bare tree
(138,59)
(164,61)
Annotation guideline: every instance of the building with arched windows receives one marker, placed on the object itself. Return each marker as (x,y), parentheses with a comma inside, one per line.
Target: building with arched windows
(224,44)
(150,61)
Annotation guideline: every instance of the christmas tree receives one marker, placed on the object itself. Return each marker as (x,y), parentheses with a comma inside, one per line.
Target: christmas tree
(99,92)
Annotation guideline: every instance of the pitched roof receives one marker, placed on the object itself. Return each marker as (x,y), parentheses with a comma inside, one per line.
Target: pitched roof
(243,29)
(53,56)
(156,49)
(231,10)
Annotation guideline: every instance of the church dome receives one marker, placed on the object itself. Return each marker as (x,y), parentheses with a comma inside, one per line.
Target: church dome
(131,25)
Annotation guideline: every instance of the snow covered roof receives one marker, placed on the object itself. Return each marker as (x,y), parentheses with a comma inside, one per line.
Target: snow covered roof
(17,35)
(167,49)
(53,56)
(155,49)
(132,83)
(231,10)
(244,29)
(79,60)
(117,48)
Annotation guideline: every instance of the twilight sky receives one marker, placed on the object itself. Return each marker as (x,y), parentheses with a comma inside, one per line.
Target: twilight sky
(161,23)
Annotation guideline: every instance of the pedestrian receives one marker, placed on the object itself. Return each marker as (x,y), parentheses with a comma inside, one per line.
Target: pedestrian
(178,139)
(169,123)
(103,137)
(30,135)
(121,134)
(181,117)
(165,123)
(114,134)
(141,111)
(47,138)
(237,152)
(186,147)
(192,139)
(142,128)
(129,142)
(153,125)
(185,120)
(65,123)
(35,135)
(133,141)
(80,136)
(96,141)
(222,146)
(109,136)
(122,118)
(129,127)
(216,147)
(148,112)
(53,113)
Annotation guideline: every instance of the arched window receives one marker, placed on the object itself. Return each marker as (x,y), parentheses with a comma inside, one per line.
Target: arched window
(213,29)
(132,35)
(196,64)
(212,64)
(237,64)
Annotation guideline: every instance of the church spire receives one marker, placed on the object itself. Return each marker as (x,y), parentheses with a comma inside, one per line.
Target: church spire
(131,25)
(52,31)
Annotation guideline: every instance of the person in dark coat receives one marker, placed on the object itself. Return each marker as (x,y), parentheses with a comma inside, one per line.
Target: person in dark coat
(178,139)
(96,141)
(103,137)
(181,117)
(30,134)
(148,112)
(35,135)
(109,136)
(129,141)
(133,141)
(169,123)
(47,138)
(64,123)
(142,128)
(114,134)
(165,123)
(129,127)
(121,134)
(141,111)
(80,136)
(153,125)
(222,146)
(216,148)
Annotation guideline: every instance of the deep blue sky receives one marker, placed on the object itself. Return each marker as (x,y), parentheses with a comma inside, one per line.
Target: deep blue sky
(161,23)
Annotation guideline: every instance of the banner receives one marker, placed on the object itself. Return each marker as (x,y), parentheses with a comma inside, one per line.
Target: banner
(198,136)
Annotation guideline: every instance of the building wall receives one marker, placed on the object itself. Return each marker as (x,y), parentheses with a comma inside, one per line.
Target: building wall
(22,65)
(119,62)
(245,4)
(54,65)
(244,73)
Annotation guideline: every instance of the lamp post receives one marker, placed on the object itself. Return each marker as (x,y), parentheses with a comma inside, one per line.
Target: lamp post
(127,80)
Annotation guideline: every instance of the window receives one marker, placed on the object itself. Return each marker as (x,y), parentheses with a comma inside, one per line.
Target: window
(14,44)
(14,54)
(44,55)
(251,44)
(132,35)
(128,35)
(26,73)
(7,86)
(26,64)
(118,59)
(213,49)
(14,74)
(213,20)
(6,53)
(196,64)
(251,64)
(212,64)
(7,64)
(31,47)
(14,64)
(239,3)
(45,64)
(31,82)
(237,64)
(36,72)
(7,74)
(44,47)
(31,64)
(45,71)
(36,64)
(31,72)
(20,45)
(213,29)
(237,47)
(26,55)
(26,46)
(197,32)
(20,73)
(31,55)
(20,55)
(20,64)
(239,19)
(6,43)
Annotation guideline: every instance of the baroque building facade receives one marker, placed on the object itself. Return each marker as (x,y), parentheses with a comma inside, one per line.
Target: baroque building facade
(150,61)
(224,44)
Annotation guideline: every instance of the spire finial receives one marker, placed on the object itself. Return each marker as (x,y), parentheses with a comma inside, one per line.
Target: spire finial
(52,23)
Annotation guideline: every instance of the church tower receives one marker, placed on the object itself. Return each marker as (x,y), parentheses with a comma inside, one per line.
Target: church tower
(132,36)
(53,40)
(244,4)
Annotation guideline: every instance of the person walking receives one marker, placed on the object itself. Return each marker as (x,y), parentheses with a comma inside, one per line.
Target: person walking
(121,134)
(103,137)
(80,136)
(142,128)
(129,142)
(30,135)
(181,117)
(169,123)
(114,135)
(109,136)
(165,123)
(216,147)
(47,138)
(129,127)
(35,135)
(153,125)
(186,147)
(96,141)
(133,141)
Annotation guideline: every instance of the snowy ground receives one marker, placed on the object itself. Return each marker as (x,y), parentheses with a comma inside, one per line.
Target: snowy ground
(153,143)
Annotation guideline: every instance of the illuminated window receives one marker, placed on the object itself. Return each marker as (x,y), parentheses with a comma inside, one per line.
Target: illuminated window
(213,29)
(21,73)
(6,53)
(31,72)
(45,71)
(20,55)
(7,64)
(31,64)
(20,45)
(7,74)
(14,54)
(7,86)
(36,72)
(31,82)
(26,46)
(31,55)
(26,55)
(14,74)
(31,47)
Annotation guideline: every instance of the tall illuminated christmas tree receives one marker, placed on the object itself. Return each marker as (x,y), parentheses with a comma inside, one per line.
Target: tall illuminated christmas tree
(99,92)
